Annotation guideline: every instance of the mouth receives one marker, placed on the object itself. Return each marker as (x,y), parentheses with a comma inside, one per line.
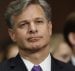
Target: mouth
(34,39)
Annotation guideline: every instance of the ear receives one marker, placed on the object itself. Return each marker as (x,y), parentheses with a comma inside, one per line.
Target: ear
(50,27)
(12,34)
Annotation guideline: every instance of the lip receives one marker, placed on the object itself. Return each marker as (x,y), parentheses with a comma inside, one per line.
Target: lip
(34,39)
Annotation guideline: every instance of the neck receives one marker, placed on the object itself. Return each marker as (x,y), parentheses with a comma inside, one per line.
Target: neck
(35,57)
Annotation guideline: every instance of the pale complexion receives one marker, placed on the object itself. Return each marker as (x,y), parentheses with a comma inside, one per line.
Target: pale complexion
(32,33)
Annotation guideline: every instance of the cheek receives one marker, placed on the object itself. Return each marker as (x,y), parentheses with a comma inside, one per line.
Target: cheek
(19,35)
(46,35)
(44,30)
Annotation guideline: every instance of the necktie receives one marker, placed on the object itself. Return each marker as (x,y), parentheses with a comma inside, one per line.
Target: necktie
(36,68)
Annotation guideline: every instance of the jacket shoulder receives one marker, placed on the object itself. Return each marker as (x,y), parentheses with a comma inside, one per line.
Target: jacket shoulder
(4,66)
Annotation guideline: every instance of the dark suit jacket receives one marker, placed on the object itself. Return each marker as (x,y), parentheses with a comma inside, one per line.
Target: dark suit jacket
(16,64)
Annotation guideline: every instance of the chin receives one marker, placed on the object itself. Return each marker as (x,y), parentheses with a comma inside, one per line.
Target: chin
(34,47)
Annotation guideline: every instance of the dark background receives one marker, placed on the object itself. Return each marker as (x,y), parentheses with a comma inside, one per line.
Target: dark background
(60,10)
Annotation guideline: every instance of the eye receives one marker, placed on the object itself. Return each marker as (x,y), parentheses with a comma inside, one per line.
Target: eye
(39,21)
(23,24)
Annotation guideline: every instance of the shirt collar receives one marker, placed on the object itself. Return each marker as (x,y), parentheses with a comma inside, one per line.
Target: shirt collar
(45,65)
(73,60)
(28,64)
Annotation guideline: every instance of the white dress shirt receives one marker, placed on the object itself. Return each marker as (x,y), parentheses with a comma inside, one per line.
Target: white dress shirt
(73,60)
(45,65)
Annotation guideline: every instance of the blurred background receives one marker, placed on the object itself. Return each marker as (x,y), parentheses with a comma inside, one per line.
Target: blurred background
(60,9)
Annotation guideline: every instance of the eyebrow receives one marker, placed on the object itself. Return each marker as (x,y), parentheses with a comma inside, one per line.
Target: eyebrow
(39,18)
(26,20)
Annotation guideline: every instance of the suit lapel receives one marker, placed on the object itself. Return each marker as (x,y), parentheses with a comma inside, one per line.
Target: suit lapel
(52,65)
(16,64)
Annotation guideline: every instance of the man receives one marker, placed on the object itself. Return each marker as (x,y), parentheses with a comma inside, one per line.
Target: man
(30,27)
(69,34)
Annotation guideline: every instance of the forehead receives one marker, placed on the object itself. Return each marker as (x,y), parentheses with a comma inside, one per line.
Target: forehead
(31,12)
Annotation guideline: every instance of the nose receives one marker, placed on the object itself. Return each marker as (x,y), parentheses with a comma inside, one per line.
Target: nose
(32,28)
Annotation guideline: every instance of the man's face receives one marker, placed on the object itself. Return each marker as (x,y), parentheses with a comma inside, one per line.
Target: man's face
(31,30)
